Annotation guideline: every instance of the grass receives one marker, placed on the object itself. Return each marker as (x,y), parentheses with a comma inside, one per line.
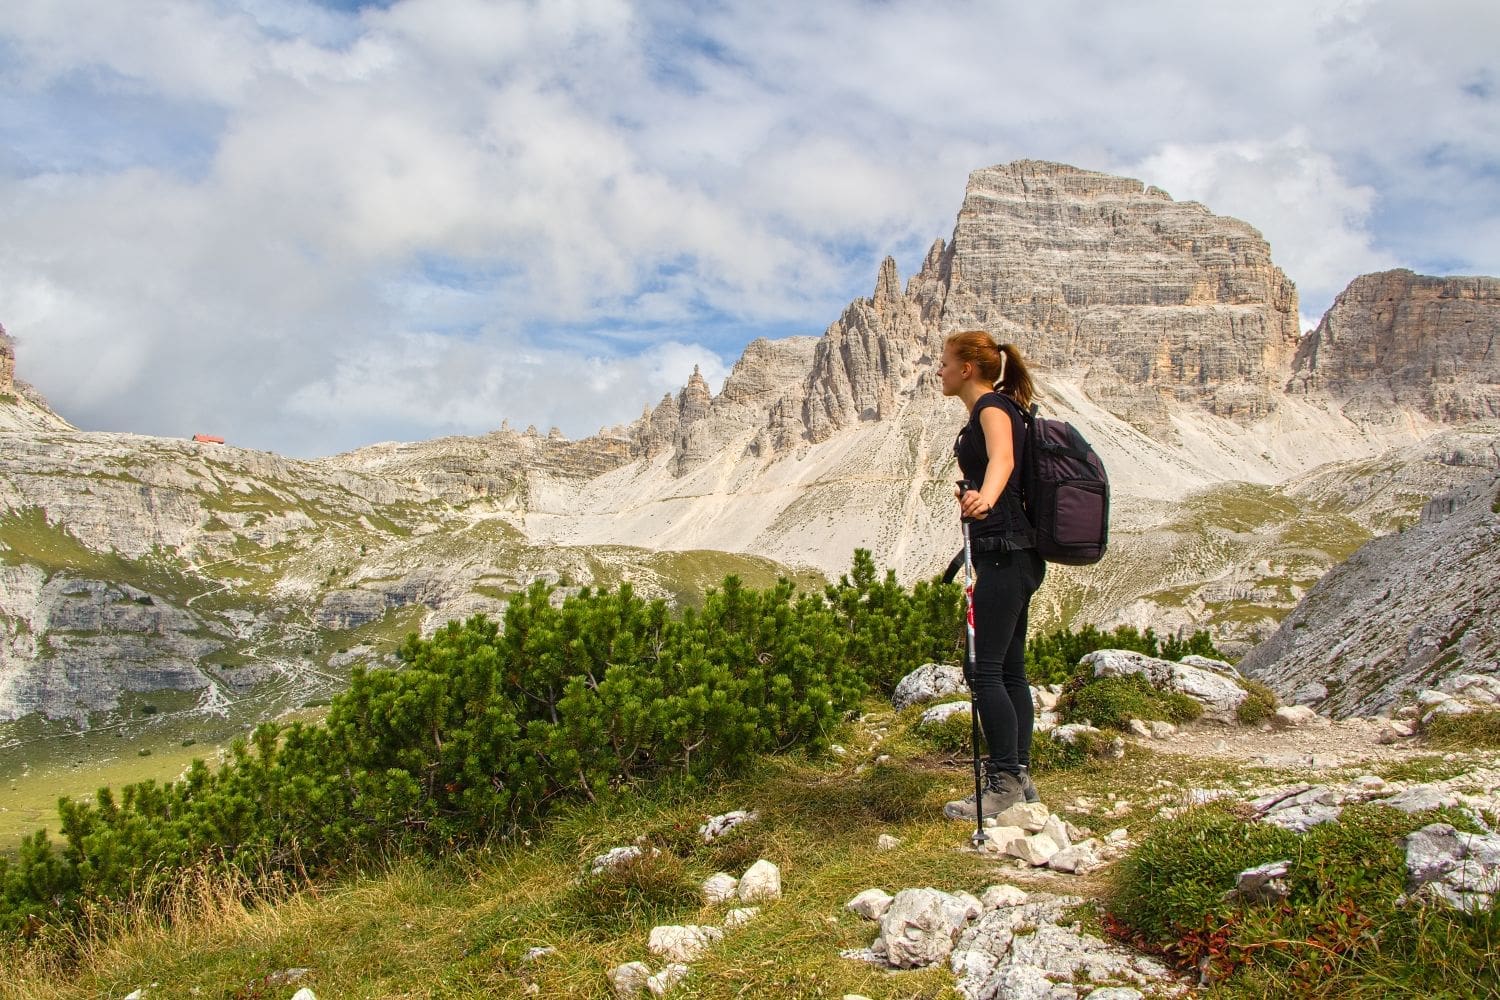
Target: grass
(1474,731)
(461,926)
(1345,929)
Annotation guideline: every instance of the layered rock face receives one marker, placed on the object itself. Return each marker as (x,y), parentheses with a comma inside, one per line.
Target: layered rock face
(1397,339)
(1403,613)
(22,408)
(7,362)
(1158,301)
(1152,303)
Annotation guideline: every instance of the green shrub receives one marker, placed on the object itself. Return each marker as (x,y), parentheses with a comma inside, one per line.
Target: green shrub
(1342,927)
(1259,704)
(1111,702)
(1050,754)
(1053,658)
(1474,731)
(952,736)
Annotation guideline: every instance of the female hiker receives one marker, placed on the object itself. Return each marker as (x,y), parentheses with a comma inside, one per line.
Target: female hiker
(994,385)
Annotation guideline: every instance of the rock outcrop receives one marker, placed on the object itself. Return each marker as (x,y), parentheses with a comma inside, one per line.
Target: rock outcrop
(1159,302)
(22,408)
(1403,613)
(1397,341)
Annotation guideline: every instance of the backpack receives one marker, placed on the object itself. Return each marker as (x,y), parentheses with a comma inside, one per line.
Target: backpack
(1065,491)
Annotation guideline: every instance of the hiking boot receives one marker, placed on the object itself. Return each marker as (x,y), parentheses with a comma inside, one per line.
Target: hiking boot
(1027,788)
(1001,791)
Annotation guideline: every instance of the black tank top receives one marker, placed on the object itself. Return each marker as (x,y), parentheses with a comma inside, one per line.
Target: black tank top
(1006,526)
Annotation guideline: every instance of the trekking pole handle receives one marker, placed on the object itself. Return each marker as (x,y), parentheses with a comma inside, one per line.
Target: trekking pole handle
(966,486)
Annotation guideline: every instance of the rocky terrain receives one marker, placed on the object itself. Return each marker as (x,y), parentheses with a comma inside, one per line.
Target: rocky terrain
(1244,466)
(1404,612)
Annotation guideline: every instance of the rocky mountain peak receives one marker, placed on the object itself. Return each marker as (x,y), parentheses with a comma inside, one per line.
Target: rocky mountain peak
(1156,301)
(7,361)
(1396,338)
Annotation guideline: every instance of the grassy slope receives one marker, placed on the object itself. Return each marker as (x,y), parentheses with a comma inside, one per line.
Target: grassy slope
(461,927)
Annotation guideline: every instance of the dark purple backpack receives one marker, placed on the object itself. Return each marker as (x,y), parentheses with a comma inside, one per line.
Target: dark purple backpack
(1066,492)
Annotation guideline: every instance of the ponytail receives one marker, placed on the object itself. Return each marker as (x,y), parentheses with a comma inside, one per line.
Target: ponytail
(998,364)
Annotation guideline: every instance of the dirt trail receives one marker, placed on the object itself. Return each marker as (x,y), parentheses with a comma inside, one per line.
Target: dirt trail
(1335,744)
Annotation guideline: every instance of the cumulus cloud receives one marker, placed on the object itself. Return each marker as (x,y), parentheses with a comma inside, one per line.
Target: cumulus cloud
(1316,221)
(319,225)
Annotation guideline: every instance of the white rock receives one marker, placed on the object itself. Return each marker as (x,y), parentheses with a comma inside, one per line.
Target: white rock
(719,887)
(1481,688)
(533,955)
(919,927)
(1217,691)
(1293,716)
(1072,731)
(717,826)
(997,896)
(997,839)
(1036,850)
(1078,859)
(1043,699)
(662,983)
(761,882)
(939,714)
(1058,831)
(928,683)
(1118,835)
(1162,730)
(740,916)
(971,901)
(1029,816)
(871,904)
(615,857)
(1139,728)
(304,994)
(1114,993)
(629,980)
(680,943)
(887,843)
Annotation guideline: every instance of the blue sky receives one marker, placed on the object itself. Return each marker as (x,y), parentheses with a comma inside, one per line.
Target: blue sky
(308,226)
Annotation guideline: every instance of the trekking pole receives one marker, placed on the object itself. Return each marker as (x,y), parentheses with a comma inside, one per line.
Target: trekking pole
(977,840)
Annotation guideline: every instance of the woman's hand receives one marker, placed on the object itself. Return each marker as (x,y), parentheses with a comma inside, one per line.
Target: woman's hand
(972,505)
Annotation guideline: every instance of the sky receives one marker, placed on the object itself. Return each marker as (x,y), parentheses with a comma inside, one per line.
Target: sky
(308,226)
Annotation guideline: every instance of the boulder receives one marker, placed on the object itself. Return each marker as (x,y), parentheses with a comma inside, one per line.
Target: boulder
(919,928)
(997,896)
(1219,693)
(928,683)
(661,984)
(871,904)
(680,943)
(629,980)
(1029,816)
(762,881)
(719,887)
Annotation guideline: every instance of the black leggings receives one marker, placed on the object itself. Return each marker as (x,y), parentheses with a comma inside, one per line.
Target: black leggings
(1002,597)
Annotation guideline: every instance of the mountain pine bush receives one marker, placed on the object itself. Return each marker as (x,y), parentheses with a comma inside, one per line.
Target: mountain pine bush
(481,729)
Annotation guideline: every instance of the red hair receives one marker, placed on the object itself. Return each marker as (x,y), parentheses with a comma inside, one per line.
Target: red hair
(998,364)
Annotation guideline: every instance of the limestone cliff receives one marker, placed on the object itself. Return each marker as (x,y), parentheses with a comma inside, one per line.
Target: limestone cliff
(22,408)
(1157,302)
(1398,340)
(1405,612)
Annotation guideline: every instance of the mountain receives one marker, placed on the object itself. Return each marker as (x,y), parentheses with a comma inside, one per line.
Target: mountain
(22,408)
(1245,464)
(1404,612)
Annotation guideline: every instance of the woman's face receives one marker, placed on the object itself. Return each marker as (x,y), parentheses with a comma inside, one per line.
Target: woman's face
(951,372)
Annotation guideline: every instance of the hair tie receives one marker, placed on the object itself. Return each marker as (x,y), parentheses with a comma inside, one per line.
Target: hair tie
(1001,379)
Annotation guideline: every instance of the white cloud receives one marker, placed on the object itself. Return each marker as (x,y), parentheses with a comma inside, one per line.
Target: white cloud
(1317,223)
(364,207)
